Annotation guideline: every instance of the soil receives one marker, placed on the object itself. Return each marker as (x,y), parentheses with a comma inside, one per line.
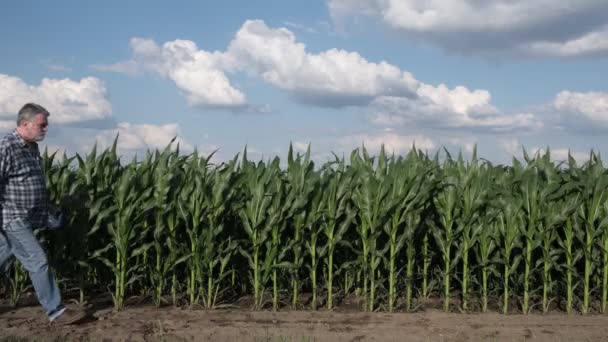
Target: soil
(145,322)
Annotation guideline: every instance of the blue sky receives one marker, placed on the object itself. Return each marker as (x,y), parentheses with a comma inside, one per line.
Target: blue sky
(336,74)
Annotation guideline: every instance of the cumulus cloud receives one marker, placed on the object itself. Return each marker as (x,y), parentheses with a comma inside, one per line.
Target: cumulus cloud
(588,44)
(468,144)
(58,150)
(331,78)
(591,106)
(561,154)
(7,125)
(450,108)
(533,27)
(510,145)
(514,148)
(133,137)
(133,140)
(300,146)
(393,142)
(197,73)
(68,101)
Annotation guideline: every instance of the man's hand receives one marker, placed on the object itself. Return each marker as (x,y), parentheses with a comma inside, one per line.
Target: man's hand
(55,219)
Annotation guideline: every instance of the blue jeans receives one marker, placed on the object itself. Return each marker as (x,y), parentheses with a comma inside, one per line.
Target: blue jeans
(17,238)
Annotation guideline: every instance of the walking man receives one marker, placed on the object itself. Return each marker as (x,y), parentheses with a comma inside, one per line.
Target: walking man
(24,207)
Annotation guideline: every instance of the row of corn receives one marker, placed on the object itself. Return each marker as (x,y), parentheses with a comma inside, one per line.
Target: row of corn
(392,232)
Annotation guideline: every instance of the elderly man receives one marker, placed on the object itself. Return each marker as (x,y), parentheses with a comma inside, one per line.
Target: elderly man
(24,202)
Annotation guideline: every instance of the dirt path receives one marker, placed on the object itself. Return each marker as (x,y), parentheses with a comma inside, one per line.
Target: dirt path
(146,323)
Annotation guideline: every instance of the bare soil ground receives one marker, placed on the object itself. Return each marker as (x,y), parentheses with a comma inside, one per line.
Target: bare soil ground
(147,323)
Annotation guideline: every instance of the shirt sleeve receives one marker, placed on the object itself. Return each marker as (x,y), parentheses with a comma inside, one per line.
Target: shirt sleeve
(6,163)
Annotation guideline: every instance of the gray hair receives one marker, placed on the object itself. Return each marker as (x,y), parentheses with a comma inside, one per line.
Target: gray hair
(29,111)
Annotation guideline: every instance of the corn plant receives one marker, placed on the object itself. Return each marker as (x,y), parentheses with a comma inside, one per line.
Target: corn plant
(413,185)
(175,253)
(485,251)
(557,205)
(96,176)
(601,176)
(18,281)
(193,208)
(445,231)
(474,185)
(531,189)
(278,211)
(566,241)
(592,181)
(166,169)
(66,245)
(509,242)
(313,221)
(217,251)
(131,204)
(370,196)
(426,256)
(259,183)
(338,215)
(302,184)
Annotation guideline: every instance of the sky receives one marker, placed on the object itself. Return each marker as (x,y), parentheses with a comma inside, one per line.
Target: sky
(501,75)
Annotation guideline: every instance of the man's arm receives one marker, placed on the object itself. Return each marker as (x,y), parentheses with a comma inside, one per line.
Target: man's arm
(6,163)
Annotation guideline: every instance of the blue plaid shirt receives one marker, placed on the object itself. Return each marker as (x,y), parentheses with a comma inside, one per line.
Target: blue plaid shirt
(23,192)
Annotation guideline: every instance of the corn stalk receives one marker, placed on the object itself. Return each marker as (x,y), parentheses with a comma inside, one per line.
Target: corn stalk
(371,196)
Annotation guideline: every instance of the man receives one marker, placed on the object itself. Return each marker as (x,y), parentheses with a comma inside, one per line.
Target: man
(24,205)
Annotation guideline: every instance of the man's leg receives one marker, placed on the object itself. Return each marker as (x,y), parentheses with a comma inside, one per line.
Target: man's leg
(28,251)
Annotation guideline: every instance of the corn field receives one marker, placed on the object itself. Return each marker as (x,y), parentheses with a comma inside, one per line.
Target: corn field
(395,232)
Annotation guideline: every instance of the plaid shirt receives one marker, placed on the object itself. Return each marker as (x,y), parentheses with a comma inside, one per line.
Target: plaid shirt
(23,193)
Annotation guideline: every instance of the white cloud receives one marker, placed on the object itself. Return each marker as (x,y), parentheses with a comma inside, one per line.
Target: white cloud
(339,78)
(332,78)
(561,154)
(514,148)
(592,106)
(196,72)
(133,140)
(459,100)
(299,146)
(451,108)
(511,146)
(8,125)
(132,137)
(393,143)
(301,27)
(55,66)
(386,117)
(58,150)
(128,67)
(545,27)
(68,101)
(587,44)
(468,144)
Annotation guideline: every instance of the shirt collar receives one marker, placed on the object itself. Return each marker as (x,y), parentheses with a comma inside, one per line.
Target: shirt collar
(21,140)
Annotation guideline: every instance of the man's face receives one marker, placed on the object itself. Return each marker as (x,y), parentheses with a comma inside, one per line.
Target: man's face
(37,128)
